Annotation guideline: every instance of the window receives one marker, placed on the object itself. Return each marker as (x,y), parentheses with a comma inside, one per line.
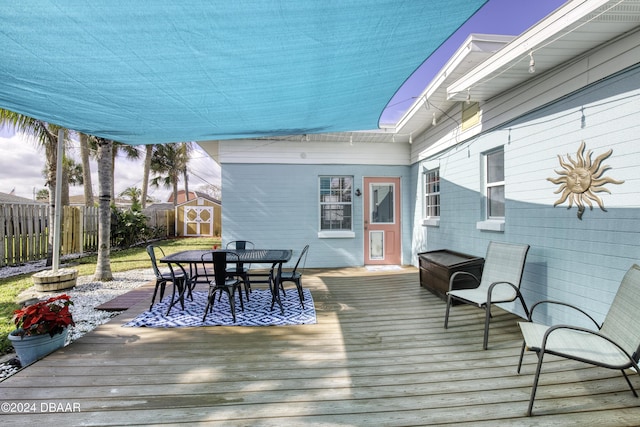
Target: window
(495,184)
(432,193)
(336,203)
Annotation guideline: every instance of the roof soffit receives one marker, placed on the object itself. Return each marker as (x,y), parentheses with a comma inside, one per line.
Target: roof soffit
(433,100)
(569,32)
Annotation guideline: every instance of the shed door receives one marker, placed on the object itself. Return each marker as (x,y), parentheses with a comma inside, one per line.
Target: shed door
(382,221)
(198,221)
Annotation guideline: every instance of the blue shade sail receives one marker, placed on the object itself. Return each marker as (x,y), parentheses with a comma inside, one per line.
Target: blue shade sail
(145,72)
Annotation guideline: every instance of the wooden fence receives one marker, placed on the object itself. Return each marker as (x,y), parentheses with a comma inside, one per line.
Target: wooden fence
(24,232)
(164,219)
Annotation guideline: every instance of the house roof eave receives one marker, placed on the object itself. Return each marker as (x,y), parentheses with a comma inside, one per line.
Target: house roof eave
(573,29)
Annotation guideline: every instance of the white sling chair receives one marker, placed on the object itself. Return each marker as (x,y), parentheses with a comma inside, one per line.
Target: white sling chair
(615,344)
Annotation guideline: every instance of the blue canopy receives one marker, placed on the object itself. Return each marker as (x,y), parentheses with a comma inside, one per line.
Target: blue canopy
(145,72)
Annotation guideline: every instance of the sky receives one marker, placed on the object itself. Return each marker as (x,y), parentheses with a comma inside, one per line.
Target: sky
(22,163)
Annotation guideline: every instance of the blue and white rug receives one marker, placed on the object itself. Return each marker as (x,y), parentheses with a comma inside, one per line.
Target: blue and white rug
(256,312)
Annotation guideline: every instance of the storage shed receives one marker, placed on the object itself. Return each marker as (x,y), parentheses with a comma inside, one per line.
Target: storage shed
(199,216)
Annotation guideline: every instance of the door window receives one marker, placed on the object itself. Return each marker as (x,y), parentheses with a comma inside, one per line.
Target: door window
(382,204)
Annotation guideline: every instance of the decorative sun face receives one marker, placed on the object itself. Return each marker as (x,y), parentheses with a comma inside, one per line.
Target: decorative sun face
(581,179)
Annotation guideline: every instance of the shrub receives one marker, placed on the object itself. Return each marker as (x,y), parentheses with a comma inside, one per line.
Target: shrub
(128,227)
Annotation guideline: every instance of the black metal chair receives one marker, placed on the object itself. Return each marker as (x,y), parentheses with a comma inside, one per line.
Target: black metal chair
(222,282)
(240,269)
(295,276)
(179,280)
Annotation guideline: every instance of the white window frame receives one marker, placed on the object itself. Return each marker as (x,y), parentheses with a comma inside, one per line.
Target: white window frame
(492,222)
(429,218)
(373,200)
(336,232)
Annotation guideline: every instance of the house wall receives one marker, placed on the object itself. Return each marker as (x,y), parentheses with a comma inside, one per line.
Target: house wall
(277,206)
(572,260)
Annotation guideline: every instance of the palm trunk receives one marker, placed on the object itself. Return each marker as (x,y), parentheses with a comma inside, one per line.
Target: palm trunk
(186,183)
(175,192)
(145,179)
(65,186)
(86,170)
(105,161)
(114,153)
(51,154)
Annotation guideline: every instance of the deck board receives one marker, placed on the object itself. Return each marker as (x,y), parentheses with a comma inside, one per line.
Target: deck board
(378,355)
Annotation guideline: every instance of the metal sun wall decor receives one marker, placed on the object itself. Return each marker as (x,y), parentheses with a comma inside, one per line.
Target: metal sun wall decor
(581,179)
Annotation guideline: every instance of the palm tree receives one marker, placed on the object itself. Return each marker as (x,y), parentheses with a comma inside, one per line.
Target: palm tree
(86,170)
(129,151)
(117,147)
(42,195)
(168,162)
(47,136)
(186,147)
(105,178)
(147,169)
(72,174)
(133,194)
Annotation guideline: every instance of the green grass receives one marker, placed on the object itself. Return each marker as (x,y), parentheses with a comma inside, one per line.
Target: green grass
(124,260)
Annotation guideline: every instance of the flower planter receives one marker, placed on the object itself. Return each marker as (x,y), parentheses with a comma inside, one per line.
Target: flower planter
(35,347)
(48,280)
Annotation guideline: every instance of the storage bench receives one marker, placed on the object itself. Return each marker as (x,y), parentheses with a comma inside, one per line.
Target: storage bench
(437,267)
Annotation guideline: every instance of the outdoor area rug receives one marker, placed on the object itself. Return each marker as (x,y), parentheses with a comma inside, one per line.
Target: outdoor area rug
(256,312)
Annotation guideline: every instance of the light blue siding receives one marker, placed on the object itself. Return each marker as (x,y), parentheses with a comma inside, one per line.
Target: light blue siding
(277,206)
(578,261)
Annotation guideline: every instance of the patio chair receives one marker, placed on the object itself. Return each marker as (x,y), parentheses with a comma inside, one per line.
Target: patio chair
(179,279)
(240,269)
(500,282)
(222,282)
(295,276)
(615,344)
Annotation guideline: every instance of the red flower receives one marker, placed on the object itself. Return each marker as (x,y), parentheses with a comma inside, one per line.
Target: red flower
(45,317)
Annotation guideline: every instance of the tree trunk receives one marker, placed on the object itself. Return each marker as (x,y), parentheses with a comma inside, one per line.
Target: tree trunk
(114,153)
(86,170)
(145,179)
(51,153)
(186,183)
(64,199)
(175,191)
(105,160)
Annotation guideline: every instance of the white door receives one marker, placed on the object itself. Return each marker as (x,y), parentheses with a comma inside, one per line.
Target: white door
(198,221)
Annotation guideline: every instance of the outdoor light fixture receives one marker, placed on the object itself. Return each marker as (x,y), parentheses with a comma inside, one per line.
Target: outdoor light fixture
(468,96)
(358,193)
(433,121)
(532,63)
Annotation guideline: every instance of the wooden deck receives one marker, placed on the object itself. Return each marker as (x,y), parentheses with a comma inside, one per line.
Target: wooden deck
(378,356)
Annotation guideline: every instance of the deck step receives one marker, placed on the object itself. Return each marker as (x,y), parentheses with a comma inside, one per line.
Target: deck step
(128,300)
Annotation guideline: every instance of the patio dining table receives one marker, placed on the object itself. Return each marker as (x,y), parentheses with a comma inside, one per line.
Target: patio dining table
(275,257)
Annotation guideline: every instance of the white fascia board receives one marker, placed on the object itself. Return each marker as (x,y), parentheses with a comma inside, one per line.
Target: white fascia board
(540,33)
(485,44)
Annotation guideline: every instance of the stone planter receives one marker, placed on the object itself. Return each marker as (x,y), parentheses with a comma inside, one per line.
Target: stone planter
(48,280)
(32,348)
